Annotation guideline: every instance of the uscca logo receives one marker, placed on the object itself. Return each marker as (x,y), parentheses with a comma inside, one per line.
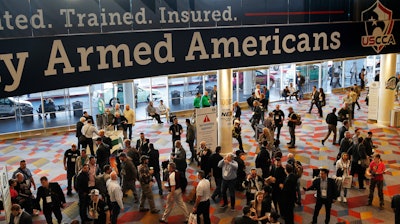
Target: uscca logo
(378,27)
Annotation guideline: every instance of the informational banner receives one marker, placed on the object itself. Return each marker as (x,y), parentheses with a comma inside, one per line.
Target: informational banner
(206,126)
(373,101)
(31,65)
(5,191)
(23,18)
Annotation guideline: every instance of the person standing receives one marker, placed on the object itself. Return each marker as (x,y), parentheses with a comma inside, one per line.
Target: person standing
(255,119)
(175,130)
(321,101)
(263,160)
(253,184)
(331,120)
(116,195)
(205,100)
(279,116)
(80,161)
(154,162)
(342,171)
(98,209)
(132,153)
(102,153)
(120,122)
(376,169)
(314,99)
(190,137)
(229,175)
(288,195)
(129,175)
(82,183)
(292,119)
(361,76)
(257,92)
(300,81)
(396,208)
(79,126)
(202,203)
(88,130)
(70,158)
(179,157)
(204,155)
(326,194)
(175,194)
(237,111)
(53,199)
(145,177)
(216,172)
(87,116)
(343,129)
(142,144)
(19,216)
(197,101)
(236,133)
(214,95)
(129,114)
(357,153)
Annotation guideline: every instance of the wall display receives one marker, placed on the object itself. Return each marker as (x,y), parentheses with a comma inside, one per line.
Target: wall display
(30,65)
(5,191)
(206,126)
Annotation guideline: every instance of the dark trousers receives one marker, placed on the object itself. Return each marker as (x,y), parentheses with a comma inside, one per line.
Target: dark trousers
(249,197)
(278,133)
(115,210)
(379,185)
(78,145)
(353,106)
(129,128)
(331,128)
(57,212)
(204,209)
(319,106)
(239,139)
(292,136)
(312,104)
(318,206)
(228,184)
(191,147)
(287,213)
(70,176)
(265,171)
(89,141)
(157,117)
(218,183)
(357,169)
(158,179)
(83,204)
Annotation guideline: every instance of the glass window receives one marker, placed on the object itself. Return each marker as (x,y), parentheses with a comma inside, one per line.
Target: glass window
(183,90)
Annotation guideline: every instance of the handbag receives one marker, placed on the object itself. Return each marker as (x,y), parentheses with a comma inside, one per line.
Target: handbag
(339,172)
(82,139)
(192,218)
(347,181)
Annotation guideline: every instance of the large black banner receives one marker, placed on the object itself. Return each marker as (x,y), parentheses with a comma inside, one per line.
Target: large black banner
(23,18)
(46,63)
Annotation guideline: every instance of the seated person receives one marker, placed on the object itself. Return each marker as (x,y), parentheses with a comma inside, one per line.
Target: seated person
(152,112)
(286,93)
(164,110)
(293,92)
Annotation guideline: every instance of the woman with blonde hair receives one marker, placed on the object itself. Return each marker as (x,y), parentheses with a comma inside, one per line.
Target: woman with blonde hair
(266,136)
(259,208)
(342,171)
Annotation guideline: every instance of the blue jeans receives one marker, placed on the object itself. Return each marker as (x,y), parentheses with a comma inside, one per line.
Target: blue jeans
(229,184)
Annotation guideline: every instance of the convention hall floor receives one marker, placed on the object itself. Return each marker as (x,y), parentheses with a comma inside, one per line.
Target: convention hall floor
(44,157)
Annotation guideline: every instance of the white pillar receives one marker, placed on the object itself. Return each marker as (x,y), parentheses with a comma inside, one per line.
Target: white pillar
(247,82)
(386,96)
(224,111)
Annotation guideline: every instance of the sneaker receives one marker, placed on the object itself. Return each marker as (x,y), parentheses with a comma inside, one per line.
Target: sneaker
(344,199)
(322,142)
(224,206)
(339,199)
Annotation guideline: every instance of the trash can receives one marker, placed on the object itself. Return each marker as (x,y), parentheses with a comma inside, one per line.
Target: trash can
(395,119)
(176,97)
(77,106)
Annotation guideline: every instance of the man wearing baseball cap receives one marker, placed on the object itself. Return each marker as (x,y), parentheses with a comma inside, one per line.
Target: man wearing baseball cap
(145,178)
(98,209)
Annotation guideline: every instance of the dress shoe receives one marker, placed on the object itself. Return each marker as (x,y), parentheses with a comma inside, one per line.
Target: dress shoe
(144,210)
(322,142)
(155,211)
(289,143)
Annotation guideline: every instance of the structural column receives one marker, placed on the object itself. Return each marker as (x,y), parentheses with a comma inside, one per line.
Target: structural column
(386,95)
(248,83)
(224,112)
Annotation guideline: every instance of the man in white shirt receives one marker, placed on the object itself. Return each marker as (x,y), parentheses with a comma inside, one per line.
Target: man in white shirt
(130,116)
(164,110)
(88,130)
(202,204)
(115,192)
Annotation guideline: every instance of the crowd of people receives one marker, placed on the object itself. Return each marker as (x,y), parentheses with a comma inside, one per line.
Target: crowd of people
(272,187)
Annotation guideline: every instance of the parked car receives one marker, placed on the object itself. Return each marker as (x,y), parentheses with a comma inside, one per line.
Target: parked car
(13,107)
(143,95)
(261,79)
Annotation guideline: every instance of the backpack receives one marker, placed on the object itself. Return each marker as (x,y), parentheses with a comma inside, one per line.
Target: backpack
(298,119)
(181,181)
(298,168)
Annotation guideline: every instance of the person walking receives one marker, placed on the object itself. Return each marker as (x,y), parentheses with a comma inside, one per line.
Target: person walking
(98,209)
(237,111)
(314,99)
(142,144)
(343,129)
(342,171)
(154,162)
(292,119)
(145,177)
(279,116)
(175,130)
(331,120)
(175,194)
(326,194)
(52,198)
(82,183)
(236,133)
(79,126)
(321,101)
(129,175)
(229,175)
(376,169)
(116,195)
(202,203)
(70,158)
(396,207)
(190,137)
(129,114)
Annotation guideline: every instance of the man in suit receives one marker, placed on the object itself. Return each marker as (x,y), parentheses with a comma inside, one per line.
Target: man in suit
(19,216)
(53,199)
(142,144)
(288,195)
(102,153)
(246,218)
(326,194)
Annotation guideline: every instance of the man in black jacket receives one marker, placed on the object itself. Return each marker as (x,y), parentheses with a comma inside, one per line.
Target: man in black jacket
(314,99)
(154,162)
(216,172)
(24,217)
(343,129)
(246,218)
(102,153)
(82,185)
(142,144)
(53,199)
(288,195)
(326,194)
(263,160)
(331,120)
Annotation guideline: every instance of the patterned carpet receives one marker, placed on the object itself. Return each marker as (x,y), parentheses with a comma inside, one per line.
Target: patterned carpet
(44,157)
